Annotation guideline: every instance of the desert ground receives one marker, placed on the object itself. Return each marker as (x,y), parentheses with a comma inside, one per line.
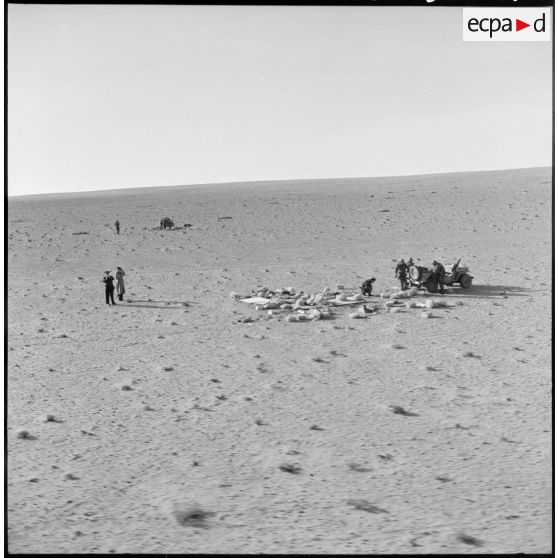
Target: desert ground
(168,424)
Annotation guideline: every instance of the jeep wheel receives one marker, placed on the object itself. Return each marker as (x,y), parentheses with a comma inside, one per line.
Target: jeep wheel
(466,281)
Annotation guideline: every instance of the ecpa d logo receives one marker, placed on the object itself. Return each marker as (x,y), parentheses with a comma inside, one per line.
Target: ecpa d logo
(506,24)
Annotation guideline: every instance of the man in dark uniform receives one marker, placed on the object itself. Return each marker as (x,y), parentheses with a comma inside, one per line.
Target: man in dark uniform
(117,225)
(439,273)
(109,287)
(401,274)
(366,287)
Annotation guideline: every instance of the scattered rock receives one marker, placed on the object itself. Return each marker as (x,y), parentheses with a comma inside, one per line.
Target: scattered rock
(189,514)
(290,468)
(51,418)
(25,435)
(467,539)
(356,315)
(318,359)
(316,427)
(358,468)
(70,476)
(461,427)
(401,411)
(366,506)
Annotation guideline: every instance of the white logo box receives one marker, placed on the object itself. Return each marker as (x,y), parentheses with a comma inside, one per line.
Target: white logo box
(499,24)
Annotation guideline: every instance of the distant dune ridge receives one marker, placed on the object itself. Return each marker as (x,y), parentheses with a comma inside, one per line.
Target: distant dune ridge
(174,426)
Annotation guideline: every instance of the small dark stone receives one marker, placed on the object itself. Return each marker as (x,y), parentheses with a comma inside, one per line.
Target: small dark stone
(290,468)
(467,539)
(366,506)
(400,411)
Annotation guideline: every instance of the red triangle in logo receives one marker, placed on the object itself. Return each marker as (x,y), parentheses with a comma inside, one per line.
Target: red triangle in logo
(519,25)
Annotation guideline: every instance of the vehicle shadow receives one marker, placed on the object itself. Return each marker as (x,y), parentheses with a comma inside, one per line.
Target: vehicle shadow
(173,229)
(489,291)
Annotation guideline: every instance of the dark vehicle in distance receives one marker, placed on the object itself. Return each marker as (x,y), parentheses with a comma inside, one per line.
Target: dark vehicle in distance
(166,223)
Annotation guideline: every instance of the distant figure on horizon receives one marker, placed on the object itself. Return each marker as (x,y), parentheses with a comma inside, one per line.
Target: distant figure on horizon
(117,225)
(401,273)
(366,287)
(120,282)
(109,287)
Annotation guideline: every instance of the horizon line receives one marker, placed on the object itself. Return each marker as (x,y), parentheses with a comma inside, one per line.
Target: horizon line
(201,184)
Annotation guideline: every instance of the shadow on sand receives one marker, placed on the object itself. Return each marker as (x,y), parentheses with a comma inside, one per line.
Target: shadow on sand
(186,228)
(490,291)
(161,304)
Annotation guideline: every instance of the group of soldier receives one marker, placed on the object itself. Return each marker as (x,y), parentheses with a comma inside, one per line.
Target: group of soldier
(402,273)
(108,280)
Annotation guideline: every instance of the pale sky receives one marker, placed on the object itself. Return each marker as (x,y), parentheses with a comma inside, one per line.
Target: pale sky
(103,97)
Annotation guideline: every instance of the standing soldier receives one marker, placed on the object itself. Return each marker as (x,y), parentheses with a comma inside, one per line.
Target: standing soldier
(439,273)
(401,274)
(117,225)
(109,287)
(120,283)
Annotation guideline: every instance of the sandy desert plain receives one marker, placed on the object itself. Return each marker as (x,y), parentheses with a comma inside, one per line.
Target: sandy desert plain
(282,435)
